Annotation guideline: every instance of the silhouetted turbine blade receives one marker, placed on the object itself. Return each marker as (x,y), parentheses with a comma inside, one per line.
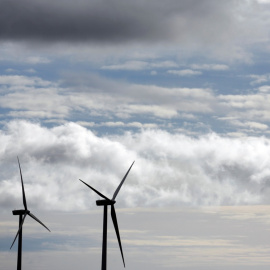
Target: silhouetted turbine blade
(35,218)
(114,219)
(18,231)
(23,193)
(100,194)
(122,182)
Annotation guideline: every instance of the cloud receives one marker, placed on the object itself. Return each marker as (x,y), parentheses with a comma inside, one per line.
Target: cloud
(112,102)
(136,65)
(157,238)
(46,98)
(16,80)
(131,124)
(264,1)
(264,89)
(192,23)
(140,65)
(98,96)
(252,125)
(219,31)
(253,106)
(136,99)
(184,72)
(152,238)
(37,60)
(216,67)
(10,70)
(118,124)
(170,169)
(259,79)
(89,20)
(131,65)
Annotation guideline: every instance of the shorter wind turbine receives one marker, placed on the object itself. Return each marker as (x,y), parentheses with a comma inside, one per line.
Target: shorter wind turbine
(105,203)
(22,215)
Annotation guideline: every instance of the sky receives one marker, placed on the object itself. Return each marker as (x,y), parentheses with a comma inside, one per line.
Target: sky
(181,87)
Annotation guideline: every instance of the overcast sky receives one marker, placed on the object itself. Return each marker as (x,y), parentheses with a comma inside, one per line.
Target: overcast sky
(180,86)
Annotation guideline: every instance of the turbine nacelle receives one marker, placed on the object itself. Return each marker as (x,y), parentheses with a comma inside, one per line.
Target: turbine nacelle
(20,212)
(105,202)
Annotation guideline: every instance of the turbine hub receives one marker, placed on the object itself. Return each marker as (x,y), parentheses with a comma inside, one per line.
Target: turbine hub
(104,202)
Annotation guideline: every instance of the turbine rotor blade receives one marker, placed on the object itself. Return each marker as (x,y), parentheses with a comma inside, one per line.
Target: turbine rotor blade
(18,230)
(114,219)
(100,194)
(23,193)
(122,182)
(36,219)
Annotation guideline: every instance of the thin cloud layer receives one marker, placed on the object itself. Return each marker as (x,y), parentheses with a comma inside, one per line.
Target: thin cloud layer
(97,96)
(169,169)
(152,239)
(97,101)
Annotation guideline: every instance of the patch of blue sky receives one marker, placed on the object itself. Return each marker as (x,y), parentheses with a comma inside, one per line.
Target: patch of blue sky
(5,114)
(49,243)
(224,81)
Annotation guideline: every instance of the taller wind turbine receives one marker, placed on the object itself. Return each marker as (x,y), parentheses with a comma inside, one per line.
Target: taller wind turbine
(22,215)
(105,203)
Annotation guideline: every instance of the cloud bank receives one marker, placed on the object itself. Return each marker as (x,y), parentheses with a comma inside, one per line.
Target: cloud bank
(170,169)
(206,21)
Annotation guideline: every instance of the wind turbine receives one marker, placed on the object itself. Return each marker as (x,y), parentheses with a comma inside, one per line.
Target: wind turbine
(22,215)
(105,203)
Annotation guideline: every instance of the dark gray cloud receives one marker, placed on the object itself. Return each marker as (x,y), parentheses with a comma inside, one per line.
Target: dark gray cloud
(66,20)
(117,20)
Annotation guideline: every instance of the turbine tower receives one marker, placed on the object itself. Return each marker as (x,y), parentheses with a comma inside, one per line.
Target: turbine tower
(105,203)
(22,215)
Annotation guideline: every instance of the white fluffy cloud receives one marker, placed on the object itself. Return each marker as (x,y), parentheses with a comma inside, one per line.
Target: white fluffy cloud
(169,169)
